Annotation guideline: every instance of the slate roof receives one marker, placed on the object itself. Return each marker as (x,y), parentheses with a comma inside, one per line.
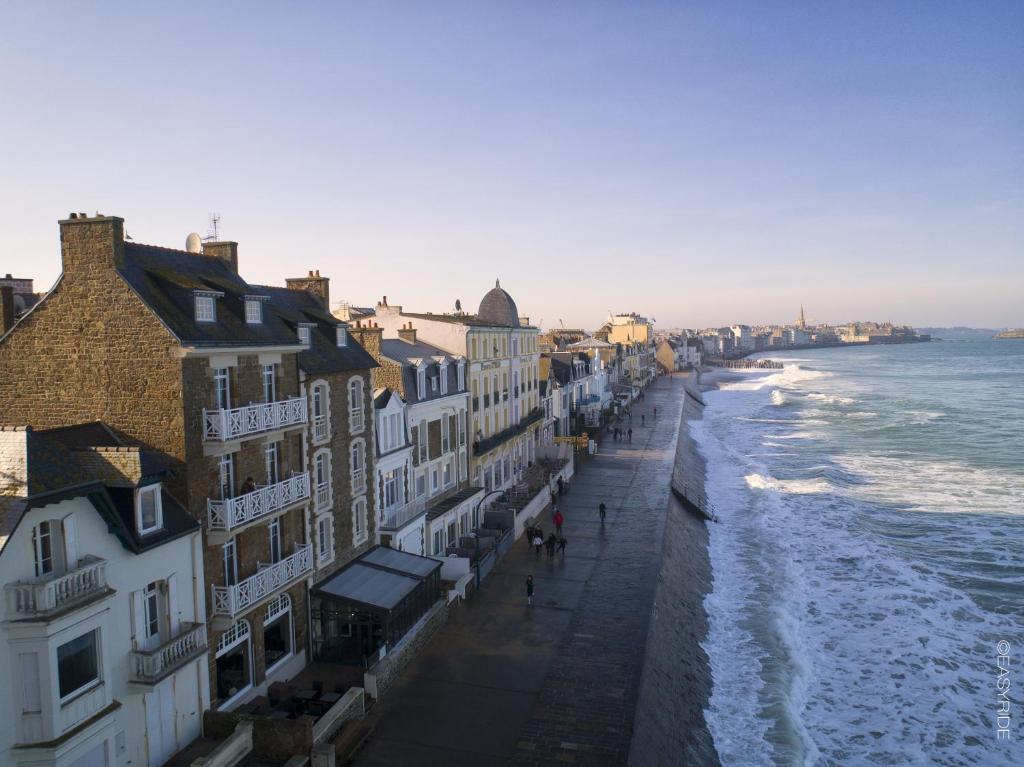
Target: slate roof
(406,354)
(166,280)
(323,355)
(450,502)
(498,307)
(60,466)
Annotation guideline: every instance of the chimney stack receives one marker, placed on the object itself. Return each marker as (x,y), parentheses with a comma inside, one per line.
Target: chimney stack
(407,333)
(315,284)
(226,251)
(369,337)
(90,246)
(6,308)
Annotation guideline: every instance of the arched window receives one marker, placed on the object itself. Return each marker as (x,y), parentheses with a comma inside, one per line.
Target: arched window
(357,461)
(321,412)
(356,415)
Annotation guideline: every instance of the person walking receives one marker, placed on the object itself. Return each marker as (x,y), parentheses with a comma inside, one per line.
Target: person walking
(561,485)
(538,541)
(559,520)
(529,589)
(561,546)
(642,418)
(602,510)
(629,434)
(549,544)
(655,414)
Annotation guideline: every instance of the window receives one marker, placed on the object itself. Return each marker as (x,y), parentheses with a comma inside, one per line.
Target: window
(421,383)
(461,371)
(433,481)
(151,607)
(234,663)
(356,420)
(462,427)
(421,485)
(149,510)
(304,334)
(321,423)
(358,465)
(325,537)
(438,542)
(392,488)
(230,564)
(424,439)
(433,383)
(78,664)
(445,434)
(269,383)
(274,531)
(341,335)
(222,388)
(226,470)
(323,480)
(270,463)
(277,632)
(472,348)
(42,540)
(253,311)
(448,474)
(205,309)
(444,378)
(359,521)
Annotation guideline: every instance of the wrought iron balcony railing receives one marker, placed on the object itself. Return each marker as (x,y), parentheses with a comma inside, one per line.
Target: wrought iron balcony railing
(241,422)
(235,512)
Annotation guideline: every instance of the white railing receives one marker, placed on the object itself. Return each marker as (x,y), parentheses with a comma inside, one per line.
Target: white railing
(398,516)
(50,593)
(358,481)
(323,496)
(356,421)
(351,705)
(223,425)
(232,600)
(234,512)
(320,428)
(232,750)
(150,665)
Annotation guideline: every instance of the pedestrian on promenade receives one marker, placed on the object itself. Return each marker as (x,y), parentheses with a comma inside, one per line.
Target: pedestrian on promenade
(549,544)
(602,510)
(561,485)
(629,432)
(561,546)
(538,541)
(642,418)
(655,414)
(529,589)
(559,520)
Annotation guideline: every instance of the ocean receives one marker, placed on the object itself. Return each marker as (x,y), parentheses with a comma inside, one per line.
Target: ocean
(868,558)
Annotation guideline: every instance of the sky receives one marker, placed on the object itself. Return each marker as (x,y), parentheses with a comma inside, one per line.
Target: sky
(701,163)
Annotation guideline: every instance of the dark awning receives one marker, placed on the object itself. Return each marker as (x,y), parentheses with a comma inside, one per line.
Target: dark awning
(378,580)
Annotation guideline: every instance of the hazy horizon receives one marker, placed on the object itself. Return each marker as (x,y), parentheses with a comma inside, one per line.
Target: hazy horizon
(702,165)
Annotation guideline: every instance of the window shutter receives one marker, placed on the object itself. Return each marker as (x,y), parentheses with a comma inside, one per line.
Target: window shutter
(172,604)
(70,542)
(138,619)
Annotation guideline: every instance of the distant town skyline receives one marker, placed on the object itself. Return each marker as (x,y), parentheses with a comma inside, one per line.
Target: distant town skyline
(699,164)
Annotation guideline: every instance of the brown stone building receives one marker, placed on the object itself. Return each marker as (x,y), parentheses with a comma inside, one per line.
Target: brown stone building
(178,354)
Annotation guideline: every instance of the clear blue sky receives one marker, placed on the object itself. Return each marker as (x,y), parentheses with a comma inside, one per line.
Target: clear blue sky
(702,163)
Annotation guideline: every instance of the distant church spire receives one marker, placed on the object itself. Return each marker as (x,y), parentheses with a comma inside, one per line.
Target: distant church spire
(802,323)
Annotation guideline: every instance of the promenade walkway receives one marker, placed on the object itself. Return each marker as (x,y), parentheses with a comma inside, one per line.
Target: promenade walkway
(556,683)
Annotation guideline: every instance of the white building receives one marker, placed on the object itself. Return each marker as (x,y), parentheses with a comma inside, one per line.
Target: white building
(106,658)
(743,338)
(399,513)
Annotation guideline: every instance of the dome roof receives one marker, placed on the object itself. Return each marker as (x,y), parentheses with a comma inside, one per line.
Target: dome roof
(498,308)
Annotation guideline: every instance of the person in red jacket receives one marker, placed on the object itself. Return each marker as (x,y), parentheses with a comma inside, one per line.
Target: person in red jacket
(559,519)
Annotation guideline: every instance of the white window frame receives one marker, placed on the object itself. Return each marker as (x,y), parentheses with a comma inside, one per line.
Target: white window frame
(278,608)
(253,312)
(421,383)
(157,506)
(322,480)
(238,634)
(443,375)
(37,545)
(321,405)
(206,309)
(222,388)
(325,538)
(360,534)
(151,609)
(356,409)
(341,335)
(305,335)
(269,379)
(276,546)
(95,682)
(357,466)
(462,376)
(230,575)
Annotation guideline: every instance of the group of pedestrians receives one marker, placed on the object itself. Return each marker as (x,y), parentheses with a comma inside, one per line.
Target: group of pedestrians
(554,543)
(618,432)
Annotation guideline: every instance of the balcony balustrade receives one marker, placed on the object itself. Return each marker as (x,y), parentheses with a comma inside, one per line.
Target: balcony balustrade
(150,666)
(232,601)
(323,496)
(358,481)
(50,593)
(397,517)
(321,429)
(233,513)
(242,422)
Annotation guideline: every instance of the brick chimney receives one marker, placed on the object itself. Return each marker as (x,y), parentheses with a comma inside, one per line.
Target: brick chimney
(6,308)
(368,335)
(315,284)
(407,333)
(91,244)
(227,251)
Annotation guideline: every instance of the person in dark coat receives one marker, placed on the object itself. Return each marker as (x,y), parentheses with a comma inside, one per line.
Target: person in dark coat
(529,589)
(561,485)
(549,544)
(561,546)
(602,510)
(629,432)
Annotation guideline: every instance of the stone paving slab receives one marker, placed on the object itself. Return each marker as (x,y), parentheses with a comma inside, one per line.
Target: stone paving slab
(555,683)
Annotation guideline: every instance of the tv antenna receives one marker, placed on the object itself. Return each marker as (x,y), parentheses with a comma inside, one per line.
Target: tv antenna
(213,233)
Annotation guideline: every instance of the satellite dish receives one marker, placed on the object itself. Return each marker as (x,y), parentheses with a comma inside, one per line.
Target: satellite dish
(458,305)
(194,243)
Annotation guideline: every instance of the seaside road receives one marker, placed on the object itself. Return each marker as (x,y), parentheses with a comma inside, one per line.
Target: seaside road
(503,683)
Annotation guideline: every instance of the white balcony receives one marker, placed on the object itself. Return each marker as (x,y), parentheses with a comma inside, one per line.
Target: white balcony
(232,601)
(233,513)
(150,666)
(398,517)
(321,429)
(242,422)
(323,497)
(39,597)
(358,482)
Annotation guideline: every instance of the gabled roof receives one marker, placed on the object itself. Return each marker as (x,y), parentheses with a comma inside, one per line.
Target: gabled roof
(409,355)
(323,355)
(166,281)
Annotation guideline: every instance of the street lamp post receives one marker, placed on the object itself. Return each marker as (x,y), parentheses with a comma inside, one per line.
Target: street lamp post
(476,514)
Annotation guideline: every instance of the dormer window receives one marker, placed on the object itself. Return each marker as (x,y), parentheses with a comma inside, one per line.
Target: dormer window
(149,512)
(341,333)
(421,383)
(443,369)
(253,311)
(462,376)
(206,309)
(305,333)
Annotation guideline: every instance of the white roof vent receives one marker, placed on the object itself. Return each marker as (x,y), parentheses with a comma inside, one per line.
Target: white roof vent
(194,243)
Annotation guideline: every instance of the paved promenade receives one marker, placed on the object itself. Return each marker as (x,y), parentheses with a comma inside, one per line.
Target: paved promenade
(556,683)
